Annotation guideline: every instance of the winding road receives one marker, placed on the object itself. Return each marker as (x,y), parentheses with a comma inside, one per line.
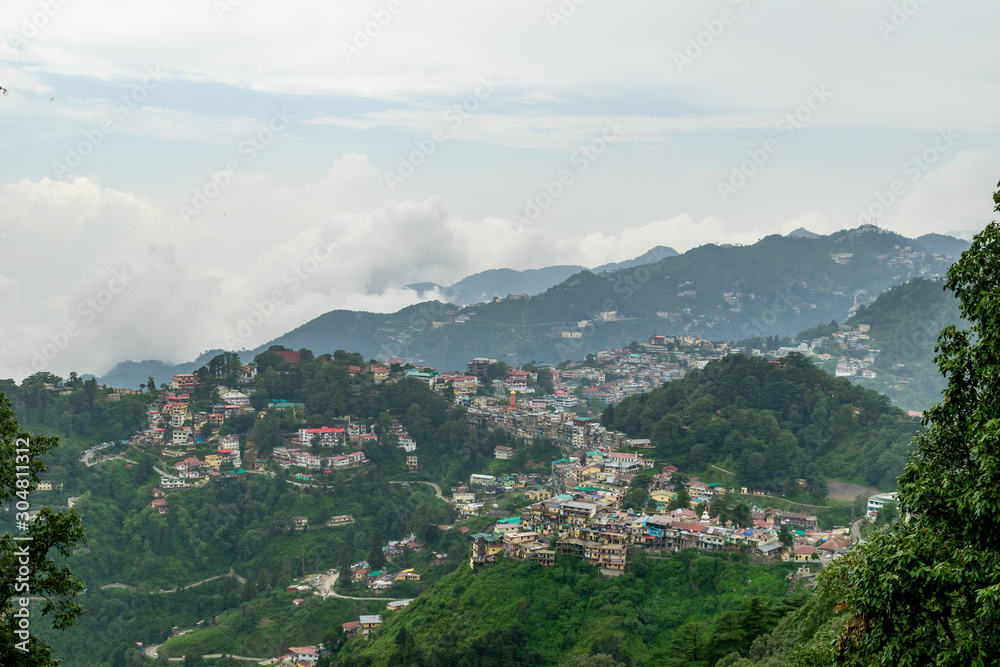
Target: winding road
(437,489)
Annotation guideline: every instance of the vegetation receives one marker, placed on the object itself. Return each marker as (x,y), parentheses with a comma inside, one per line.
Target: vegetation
(690,608)
(778,422)
(33,568)
(925,591)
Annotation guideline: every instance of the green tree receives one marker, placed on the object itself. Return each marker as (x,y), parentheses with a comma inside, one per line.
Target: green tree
(26,568)
(376,557)
(928,592)
(785,536)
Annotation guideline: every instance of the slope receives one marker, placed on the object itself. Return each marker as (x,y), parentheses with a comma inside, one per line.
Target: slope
(777,422)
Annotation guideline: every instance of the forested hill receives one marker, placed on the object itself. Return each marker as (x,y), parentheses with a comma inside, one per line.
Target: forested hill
(905,322)
(773,422)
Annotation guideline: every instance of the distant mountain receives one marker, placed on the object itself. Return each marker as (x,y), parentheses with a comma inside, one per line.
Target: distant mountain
(132,374)
(650,257)
(778,286)
(802,233)
(483,286)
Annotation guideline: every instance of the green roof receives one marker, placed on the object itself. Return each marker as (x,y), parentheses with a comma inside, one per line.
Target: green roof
(241,471)
(513,519)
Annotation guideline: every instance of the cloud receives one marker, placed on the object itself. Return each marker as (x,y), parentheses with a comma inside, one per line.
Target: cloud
(956,195)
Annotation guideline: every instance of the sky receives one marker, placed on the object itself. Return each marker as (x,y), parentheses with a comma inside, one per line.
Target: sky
(184,175)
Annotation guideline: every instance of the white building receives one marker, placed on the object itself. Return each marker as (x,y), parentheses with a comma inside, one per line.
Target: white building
(875,503)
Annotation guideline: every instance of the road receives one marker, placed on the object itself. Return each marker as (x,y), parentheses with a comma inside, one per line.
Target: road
(856,531)
(847,492)
(150,652)
(335,594)
(752,495)
(198,583)
(437,489)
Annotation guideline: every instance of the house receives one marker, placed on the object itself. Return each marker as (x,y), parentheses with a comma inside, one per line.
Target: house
(160,505)
(368,624)
(290,357)
(340,520)
(412,463)
(875,503)
(158,493)
(172,483)
(397,604)
(259,465)
(803,553)
(301,522)
(503,453)
(836,544)
(351,628)
(305,655)
(297,601)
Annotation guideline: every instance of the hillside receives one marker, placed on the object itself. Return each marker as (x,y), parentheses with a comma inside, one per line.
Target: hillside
(775,422)
(778,286)
(689,609)
(905,322)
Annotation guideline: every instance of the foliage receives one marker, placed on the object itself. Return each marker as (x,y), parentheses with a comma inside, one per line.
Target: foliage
(525,613)
(928,590)
(28,568)
(779,421)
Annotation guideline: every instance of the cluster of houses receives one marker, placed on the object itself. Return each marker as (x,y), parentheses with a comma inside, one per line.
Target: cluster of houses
(596,529)
(173,422)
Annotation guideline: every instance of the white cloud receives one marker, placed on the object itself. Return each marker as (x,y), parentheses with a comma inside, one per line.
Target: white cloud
(956,195)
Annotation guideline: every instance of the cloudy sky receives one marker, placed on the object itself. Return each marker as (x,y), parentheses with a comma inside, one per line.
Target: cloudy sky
(171,167)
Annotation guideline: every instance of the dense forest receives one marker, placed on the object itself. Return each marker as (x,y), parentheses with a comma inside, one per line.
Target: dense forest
(777,421)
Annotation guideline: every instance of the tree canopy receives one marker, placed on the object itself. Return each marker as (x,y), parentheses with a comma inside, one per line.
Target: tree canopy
(26,568)
(927,589)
